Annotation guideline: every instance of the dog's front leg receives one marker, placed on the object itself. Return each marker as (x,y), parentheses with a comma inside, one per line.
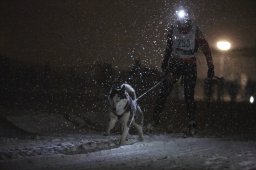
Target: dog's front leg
(111,124)
(125,128)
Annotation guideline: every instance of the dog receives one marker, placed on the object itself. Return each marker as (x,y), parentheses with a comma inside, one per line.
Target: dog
(124,108)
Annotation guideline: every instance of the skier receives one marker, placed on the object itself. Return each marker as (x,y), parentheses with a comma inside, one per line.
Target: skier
(184,39)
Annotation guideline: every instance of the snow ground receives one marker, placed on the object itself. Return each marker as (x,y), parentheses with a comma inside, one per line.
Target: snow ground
(95,151)
(61,146)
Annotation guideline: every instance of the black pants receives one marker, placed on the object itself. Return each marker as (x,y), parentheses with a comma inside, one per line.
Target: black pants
(189,73)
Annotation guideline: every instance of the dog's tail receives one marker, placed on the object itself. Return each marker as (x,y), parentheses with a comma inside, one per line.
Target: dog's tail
(140,114)
(130,90)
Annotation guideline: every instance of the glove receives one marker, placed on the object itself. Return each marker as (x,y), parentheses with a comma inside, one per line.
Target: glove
(210,72)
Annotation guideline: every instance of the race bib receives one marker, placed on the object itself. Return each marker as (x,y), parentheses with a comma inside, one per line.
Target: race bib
(184,44)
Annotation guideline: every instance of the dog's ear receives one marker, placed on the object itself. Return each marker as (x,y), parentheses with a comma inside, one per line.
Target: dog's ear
(123,88)
(112,92)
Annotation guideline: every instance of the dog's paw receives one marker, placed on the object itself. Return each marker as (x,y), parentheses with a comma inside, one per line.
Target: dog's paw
(141,139)
(122,143)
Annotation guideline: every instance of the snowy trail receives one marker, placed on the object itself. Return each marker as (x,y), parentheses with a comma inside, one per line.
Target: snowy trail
(156,152)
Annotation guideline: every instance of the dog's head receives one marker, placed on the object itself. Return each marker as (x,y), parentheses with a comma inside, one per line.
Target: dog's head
(118,94)
(118,99)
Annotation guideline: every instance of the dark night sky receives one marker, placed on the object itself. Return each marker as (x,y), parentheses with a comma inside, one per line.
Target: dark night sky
(79,32)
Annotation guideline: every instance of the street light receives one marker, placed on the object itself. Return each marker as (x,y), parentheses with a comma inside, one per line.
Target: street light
(251,99)
(223,45)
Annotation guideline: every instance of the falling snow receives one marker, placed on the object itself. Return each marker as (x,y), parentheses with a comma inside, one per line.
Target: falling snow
(59,60)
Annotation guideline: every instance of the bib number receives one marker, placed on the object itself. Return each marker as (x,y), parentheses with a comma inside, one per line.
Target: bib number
(183,43)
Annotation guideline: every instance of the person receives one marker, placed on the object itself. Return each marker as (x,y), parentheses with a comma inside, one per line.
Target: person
(183,41)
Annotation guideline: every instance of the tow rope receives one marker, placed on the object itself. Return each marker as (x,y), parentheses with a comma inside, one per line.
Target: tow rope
(157,84)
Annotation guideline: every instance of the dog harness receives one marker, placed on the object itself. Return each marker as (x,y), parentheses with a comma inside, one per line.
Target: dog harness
(125,110)
(131,106)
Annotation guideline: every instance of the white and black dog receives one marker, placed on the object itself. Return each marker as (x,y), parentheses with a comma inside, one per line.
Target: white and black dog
(124,108)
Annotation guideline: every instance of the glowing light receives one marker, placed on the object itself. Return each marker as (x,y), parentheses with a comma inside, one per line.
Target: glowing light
(251,99)
(181,13)
(223,45)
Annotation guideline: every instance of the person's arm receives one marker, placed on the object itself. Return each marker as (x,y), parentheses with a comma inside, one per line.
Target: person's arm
(204,46)
(168,50)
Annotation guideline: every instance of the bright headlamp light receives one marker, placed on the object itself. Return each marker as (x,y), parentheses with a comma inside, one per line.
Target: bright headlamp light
(182,15)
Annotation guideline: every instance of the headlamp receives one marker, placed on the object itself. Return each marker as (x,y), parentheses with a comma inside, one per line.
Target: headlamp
(182,15)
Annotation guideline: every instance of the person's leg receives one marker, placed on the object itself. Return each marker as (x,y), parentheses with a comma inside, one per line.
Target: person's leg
(190,76)
(165,90)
